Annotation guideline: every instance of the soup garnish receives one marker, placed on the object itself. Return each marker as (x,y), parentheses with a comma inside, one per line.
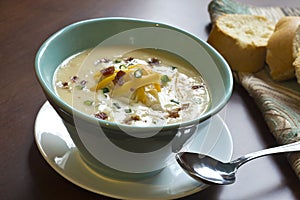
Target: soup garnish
(142,87)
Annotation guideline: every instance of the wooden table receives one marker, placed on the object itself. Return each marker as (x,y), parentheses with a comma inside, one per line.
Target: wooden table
(24,174)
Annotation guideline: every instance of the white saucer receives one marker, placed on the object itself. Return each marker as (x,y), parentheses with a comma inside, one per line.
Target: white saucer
(172,182)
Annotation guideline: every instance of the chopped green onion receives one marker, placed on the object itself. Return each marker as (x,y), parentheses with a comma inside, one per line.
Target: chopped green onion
(124,66)
(197,100)
(164,79)
(174,101)
(128,110)
(105,90)
(118,60)
(79,87)
(138,73)
(117,105)
(88,102)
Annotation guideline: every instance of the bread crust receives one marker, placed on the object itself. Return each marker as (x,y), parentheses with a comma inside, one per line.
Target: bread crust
(241,56)
(281,51)
(296,65)
(243,59)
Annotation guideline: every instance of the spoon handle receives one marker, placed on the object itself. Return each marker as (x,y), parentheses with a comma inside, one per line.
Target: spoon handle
(280,149)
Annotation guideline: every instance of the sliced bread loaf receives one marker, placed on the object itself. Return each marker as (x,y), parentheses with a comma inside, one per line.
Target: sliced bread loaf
(296,48)
(242,40)
(283,47)
(296,64)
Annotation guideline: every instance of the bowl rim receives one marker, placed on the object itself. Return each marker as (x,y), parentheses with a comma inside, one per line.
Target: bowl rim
(70,110)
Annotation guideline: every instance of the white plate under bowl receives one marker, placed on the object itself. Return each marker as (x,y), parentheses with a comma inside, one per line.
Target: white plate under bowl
(172,182)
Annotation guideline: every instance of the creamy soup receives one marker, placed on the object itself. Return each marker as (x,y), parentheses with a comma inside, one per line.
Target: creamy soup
(141,87)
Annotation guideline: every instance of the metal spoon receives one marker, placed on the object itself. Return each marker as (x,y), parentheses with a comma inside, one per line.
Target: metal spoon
(211,171)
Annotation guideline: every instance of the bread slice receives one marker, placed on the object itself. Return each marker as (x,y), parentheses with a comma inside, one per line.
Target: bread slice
(242,40)
(296,48)
(283,47)
(296,65)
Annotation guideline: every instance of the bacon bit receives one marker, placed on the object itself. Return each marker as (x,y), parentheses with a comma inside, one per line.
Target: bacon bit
(174,113)
(135,117)
(132,118)
(83,82)
(128,59)
(119,78)
(108,71)
(65,85)
(194,87)
(153,61)
(101,115)
(74,79)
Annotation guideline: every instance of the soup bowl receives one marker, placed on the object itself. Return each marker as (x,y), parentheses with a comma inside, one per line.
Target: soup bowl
(120,150)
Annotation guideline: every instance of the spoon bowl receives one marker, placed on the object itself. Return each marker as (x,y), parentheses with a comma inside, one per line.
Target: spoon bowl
(211,171)
(206,169)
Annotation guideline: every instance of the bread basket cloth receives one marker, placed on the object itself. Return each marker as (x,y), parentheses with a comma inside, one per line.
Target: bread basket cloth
(279,102)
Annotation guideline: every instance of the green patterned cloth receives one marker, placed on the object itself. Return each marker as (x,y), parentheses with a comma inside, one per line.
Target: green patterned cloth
(279,102)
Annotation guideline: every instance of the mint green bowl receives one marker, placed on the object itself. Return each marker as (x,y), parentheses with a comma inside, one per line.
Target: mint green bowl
(106,146)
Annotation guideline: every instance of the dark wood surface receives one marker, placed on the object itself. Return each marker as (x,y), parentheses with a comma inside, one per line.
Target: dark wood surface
(24,174)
